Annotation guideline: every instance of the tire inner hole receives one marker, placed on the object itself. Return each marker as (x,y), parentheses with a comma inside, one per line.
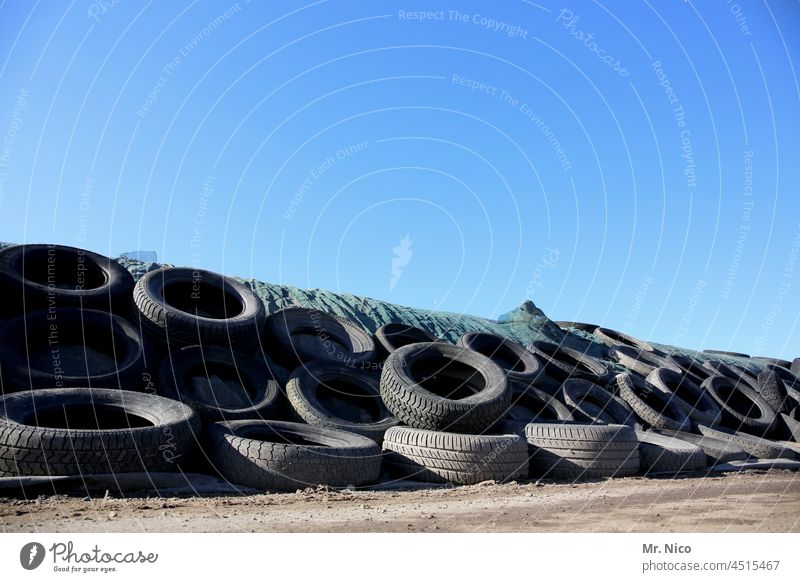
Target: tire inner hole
(72,355)
(624,339)
(322,342)
(659,403)
(737,400)
(570,362)
(220,385)
(691,395)
(503,356)
(527,408)
(349,401)
(86,417)
(63,269)
(403,337)
(284,437)
(447,378)
(203,299)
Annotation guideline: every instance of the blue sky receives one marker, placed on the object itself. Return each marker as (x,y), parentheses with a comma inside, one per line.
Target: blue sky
(629,164)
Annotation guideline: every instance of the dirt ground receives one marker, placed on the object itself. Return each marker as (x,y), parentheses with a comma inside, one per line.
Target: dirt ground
(754,501)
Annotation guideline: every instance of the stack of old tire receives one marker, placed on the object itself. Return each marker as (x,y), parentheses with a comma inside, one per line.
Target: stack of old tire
(488,409)
(185,371)
(73,369)
(698,411)
(452,401)
(104,376)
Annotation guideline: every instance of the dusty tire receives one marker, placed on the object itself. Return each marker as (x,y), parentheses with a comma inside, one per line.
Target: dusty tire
(443,387)
(612,339)
(640,361)
(788,428)
(701,407)
(182,307)
(571,451)
(691,367)
(220,384)
(80,279)
(519,364)
(529,404)
(716,450)
(296,335)
(660,453)
(795,369)
(392,336)
(112,431)
(742,408)
(793,392)
(726,353)
(764,361)
(336,396)
(285,456)
(774,383)
(70,347)
(606,409)
(758,447)
(652,406)
(462,459)
(563,363)
(732,372)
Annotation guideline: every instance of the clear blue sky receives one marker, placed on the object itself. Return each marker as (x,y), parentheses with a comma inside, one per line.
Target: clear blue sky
(630,164)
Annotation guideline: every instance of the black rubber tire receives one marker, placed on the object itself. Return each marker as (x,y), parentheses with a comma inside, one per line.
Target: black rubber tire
(793,392)
(530,404)
(92,281)
(691,367)
(640,361)
(606,409)
(763,360)
(26,448)
(742,407)
(518,363)
(570,451)
(70,347)
(309,388)
(182,307)
(298,335)
(253,376)
(614,339)
(795,369)
(567,325)
(279,373)
(592,413)
(286,456)
(461,459)
(563,363)
(760,448)
(716,450)
(456,371)
(700,406)
(795,448)
(391,336)
(732,372)
(725,353)
(660,453)
(774,382)
(655,408)
(788,428)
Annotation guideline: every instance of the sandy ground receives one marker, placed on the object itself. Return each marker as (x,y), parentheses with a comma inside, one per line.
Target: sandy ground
(754,501)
